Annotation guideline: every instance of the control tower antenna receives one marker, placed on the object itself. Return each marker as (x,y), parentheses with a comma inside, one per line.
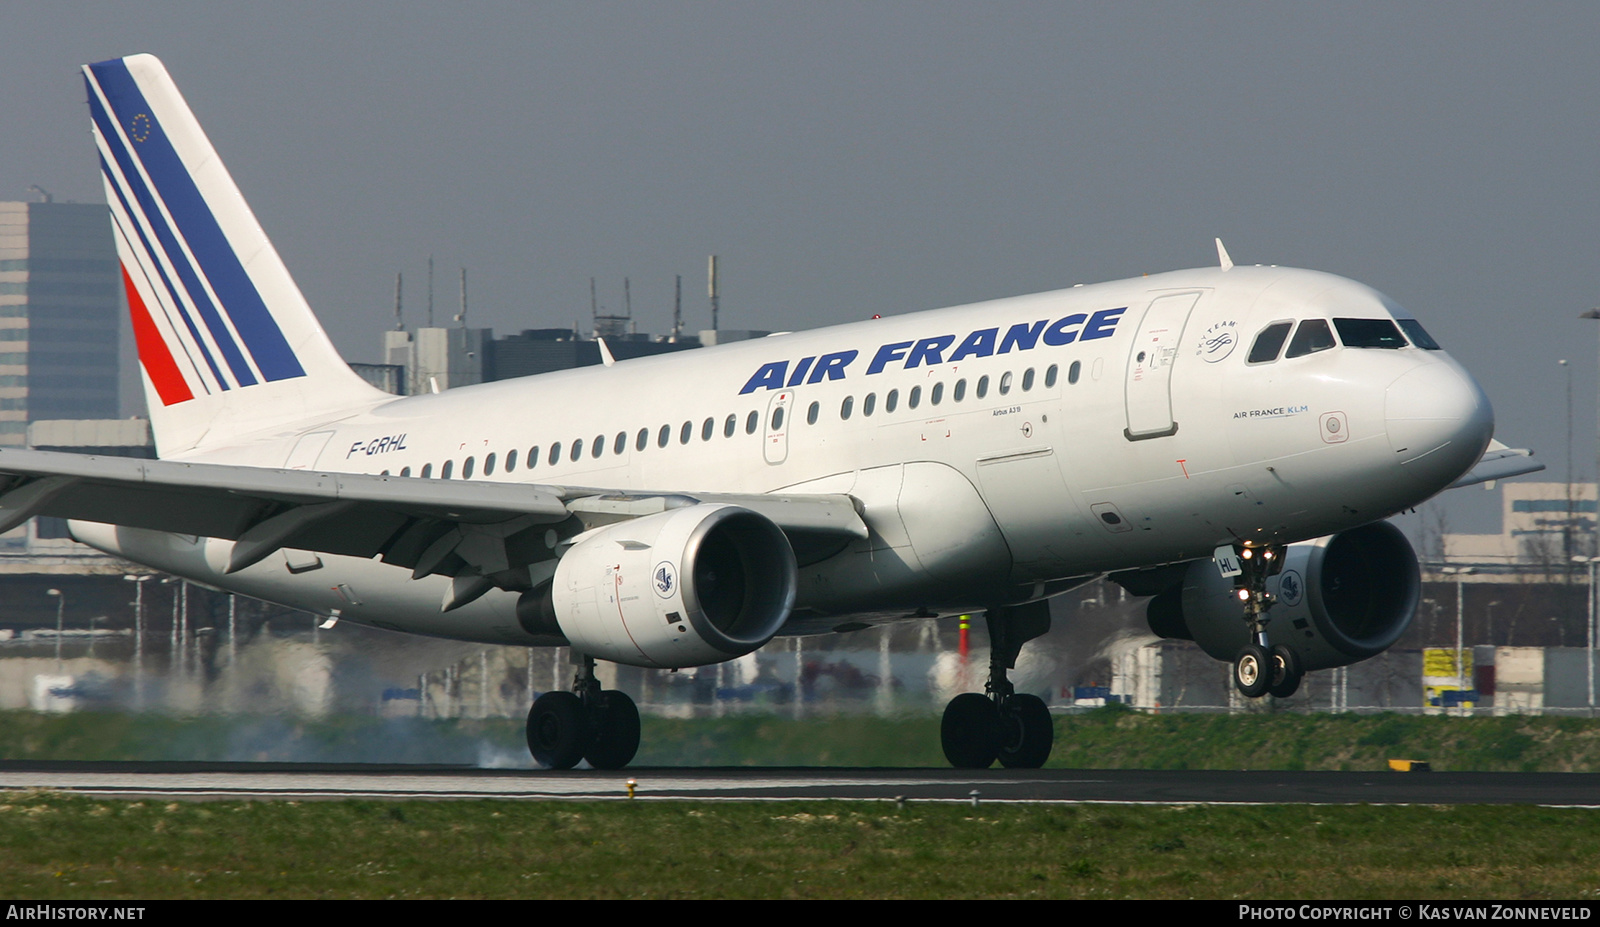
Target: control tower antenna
(711,275)
(462,318)
(677,309)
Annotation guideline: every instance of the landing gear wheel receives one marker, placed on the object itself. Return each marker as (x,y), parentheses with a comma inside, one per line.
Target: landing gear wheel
(558,730)
(1252,671)
(970,731)
(1027,733)
(616,731)
(1286,672)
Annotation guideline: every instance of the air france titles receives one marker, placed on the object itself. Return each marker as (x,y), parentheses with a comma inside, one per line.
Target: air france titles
(940,349)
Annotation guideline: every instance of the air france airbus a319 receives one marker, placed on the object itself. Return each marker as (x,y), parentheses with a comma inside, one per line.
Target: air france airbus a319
(1227,440)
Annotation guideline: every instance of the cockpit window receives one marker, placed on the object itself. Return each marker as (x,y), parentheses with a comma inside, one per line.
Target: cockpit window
(1312,336)
(1269,343)
(1369,333)
(1418,336)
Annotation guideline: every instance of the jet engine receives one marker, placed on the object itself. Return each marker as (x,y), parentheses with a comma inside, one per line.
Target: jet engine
(687,587)
(1340,599)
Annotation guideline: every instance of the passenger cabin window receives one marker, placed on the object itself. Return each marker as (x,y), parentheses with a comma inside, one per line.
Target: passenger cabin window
(751,422)
(777,418)
(643,440)
(812,412)
(686,432)
(936,396)
(511,461)
(983,386)
(555,453)
(1073,371)
(1027,379)
(488,464)
(1312,336)
(960,392)
(405,471)
(427,471)
(730,426)
(868,404)
(1369,333)
(533,457)
(1418,336)
(1269,343)
(915,398)
(468,466)
(1050,376)
(577,450)
(621,444)
(846,406)
(707,429)
(664,436)
(1005,383)
(599,446)
(891,401)
(444,471)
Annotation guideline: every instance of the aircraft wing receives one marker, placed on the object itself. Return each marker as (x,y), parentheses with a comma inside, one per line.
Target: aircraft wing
(477,527)
(1499,462)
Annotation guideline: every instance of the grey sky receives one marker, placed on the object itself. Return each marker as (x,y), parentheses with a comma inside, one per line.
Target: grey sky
(846,159)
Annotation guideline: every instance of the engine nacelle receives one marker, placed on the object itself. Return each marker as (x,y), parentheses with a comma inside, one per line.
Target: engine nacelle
(1340,599)
(686,587)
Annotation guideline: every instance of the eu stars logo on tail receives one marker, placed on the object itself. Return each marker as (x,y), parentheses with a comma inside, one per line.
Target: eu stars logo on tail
(214,311)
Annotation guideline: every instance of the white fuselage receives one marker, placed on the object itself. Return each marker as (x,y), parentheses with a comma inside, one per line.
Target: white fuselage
(1106,442)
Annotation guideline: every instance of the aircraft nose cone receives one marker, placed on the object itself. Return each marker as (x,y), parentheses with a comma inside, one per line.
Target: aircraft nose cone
(1439,423)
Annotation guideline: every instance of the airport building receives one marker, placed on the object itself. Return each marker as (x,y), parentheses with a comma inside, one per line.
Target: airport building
(58,315)
(436,359)
(1543,526)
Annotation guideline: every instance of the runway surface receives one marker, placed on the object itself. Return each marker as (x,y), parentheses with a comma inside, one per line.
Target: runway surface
(285,781)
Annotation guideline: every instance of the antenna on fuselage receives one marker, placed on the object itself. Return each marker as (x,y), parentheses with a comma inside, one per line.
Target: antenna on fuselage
(1222,256)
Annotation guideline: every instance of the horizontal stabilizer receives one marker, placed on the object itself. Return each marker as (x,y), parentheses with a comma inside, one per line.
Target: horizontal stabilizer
(1499,462)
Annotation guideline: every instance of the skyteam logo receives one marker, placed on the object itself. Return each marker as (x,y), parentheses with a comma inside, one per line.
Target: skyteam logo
(1291,588)
(1218,341)
(665,579)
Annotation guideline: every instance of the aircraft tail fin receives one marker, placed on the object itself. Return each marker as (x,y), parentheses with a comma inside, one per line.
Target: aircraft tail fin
(227,344)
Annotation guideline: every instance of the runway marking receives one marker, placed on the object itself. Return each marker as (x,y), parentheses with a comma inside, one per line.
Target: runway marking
(284,782)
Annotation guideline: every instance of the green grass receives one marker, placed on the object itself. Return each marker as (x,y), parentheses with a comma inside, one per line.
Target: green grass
(1103,739)
(53,847)
(1121,739)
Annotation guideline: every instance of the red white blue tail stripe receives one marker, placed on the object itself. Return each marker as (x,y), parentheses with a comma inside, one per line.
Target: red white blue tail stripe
(200,320)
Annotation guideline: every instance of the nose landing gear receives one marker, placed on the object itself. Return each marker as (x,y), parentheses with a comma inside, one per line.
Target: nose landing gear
(1260,668)
(588,723)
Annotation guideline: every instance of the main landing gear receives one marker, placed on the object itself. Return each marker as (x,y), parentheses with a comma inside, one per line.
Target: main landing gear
(1260,668)
(588,723)
(1000,724)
